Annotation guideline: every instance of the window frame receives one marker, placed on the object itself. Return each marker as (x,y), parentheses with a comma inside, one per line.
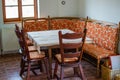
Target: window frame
(19,12)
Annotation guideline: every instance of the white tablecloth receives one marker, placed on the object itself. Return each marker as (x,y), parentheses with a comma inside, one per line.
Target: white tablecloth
(50,38)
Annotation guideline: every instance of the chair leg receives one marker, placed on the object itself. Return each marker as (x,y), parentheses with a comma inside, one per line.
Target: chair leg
(21,62)
(55,69)
(34,72)
(61,73)
(22,67)
(46,67)
(75,70)
(41,66)
(28,71)
(81,72)
(98,66)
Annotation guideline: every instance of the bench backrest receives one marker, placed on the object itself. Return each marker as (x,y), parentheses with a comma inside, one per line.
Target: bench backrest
(35,24)
(103,35)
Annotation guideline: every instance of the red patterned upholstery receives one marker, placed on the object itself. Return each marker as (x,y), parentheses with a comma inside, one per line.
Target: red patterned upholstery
(79,26)
(103,35)
(37,25)
(97,51)
(61,24)
(105,40)
(74,24)
(30,26)
(42,25)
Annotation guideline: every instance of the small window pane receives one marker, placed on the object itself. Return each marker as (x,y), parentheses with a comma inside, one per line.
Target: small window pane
(11,2)
(28,11)
(27,2)
(11,12)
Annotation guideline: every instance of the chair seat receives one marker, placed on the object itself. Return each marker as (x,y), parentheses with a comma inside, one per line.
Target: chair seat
(58,56)
(32,48)
(29,42)
(96,51)
(36,55)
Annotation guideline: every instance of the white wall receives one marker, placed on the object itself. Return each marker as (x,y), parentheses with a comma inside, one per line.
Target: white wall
(48,7)
(55,8)
(69,9)
(107,10)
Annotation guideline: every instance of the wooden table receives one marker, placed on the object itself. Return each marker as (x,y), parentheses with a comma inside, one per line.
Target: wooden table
(49,39)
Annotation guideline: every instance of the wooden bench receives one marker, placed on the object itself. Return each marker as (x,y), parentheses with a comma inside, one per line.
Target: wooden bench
(104,34)
(105,37)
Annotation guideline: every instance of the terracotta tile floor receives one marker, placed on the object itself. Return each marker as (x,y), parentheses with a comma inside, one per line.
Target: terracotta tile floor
(10,67)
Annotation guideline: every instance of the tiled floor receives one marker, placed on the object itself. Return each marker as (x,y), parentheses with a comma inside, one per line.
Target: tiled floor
(10,67)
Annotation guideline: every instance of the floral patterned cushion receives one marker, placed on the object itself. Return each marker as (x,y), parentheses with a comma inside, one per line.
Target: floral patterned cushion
(60,24)
(42,25)
(35,25)
(97,51)
(79,26)
(30,26)
(104,36)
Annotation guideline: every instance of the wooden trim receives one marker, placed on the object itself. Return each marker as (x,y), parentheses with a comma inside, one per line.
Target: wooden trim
(35,9)
(29,19)
(19,12)
(65,18)
(20,9)
(3,8)
(117,39)
(11,20)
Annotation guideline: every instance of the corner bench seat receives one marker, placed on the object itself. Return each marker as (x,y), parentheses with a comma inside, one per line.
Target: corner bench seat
(97,51)
(105,39)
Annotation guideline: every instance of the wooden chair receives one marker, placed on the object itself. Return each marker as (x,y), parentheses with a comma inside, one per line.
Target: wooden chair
(17,30)
(29,42)
(23,63)
(34,56)
(72,58)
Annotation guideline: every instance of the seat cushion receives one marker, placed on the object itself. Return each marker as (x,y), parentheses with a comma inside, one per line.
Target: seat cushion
(29,42)
(32,48)
(58,56)
(36,55)
(96,51)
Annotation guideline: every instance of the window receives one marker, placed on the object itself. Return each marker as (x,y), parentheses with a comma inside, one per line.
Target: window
(15,10)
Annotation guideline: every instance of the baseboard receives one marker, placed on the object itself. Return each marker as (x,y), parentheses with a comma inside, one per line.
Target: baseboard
(10,52)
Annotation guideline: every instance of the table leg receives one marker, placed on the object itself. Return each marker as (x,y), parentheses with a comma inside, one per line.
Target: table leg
(50,61)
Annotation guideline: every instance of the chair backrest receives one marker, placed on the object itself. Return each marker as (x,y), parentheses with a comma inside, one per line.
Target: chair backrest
(24,44)
(20,40)
(17,31)
(78,46)
(22,47)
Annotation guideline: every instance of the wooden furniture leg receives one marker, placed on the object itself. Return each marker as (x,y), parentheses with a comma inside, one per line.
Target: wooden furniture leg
(55,70)
(98,67)
(50,61)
